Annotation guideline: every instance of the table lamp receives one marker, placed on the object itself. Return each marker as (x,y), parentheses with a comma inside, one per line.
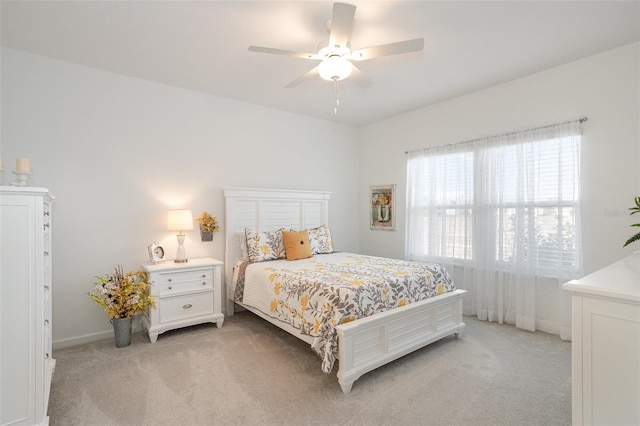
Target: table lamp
(180,220)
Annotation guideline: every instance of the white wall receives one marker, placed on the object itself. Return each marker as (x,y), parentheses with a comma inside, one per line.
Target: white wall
(117,152)
(604,87)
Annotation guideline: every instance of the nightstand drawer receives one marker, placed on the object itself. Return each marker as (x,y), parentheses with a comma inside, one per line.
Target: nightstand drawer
(187,306)
(185,282)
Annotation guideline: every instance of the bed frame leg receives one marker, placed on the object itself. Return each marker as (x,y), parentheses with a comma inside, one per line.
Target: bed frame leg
(345,385)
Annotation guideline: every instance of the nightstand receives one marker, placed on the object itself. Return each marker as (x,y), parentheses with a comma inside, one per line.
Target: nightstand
(186,294)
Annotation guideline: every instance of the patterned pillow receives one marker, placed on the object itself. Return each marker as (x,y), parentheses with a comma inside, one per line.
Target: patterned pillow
(265,245)
(320,240)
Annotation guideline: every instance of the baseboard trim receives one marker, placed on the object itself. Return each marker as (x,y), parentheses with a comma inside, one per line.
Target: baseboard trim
(80,340)
(89,338)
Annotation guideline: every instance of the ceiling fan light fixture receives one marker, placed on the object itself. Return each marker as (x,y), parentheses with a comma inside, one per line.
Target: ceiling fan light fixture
(334,68)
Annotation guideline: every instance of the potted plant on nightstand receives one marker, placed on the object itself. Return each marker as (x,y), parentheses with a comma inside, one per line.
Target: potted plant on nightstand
(208,225)
(634,210)
(123,296)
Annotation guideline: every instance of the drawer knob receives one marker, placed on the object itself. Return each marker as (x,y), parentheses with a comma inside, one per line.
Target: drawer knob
(204,283)
(169,280)
(46,322)
(204,276)
(170,287)
(46,356)
(187,306)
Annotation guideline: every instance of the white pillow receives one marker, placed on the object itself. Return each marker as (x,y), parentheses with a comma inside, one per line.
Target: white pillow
(243,246)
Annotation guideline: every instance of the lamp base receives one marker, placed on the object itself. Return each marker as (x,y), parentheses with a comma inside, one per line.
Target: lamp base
(181,255)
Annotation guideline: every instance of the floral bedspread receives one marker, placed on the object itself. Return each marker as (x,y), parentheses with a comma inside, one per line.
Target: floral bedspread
(316,294)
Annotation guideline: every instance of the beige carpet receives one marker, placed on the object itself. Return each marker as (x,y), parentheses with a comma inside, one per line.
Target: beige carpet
(251,373)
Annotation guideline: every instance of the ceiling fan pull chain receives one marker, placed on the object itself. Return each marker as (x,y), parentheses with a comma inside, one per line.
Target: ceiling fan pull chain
(335,94)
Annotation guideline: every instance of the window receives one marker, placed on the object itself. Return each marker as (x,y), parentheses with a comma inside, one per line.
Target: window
(447,213)
(507,203)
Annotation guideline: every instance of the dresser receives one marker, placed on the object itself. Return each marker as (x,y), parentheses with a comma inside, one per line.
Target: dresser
(605,351)
(186,294)
(26,363)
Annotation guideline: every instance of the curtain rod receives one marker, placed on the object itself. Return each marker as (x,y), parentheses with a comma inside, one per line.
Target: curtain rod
(581,120)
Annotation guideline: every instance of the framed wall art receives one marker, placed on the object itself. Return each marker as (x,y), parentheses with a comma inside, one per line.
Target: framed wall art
(381,207)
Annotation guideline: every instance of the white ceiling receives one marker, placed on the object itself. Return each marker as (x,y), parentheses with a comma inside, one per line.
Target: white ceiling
(202,45)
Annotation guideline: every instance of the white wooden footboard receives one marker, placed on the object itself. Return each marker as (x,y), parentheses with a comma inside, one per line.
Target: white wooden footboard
(368,343)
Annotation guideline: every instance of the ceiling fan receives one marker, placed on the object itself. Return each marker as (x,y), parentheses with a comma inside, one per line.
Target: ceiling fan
(336,55)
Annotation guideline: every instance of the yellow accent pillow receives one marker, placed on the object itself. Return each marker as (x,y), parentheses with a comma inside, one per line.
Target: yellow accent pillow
(296,244)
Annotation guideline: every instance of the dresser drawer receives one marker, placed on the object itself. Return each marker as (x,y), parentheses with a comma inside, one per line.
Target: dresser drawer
(190,305)
(182,282)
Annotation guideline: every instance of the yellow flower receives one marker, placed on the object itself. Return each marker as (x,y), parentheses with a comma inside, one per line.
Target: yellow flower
(274,305)
(304,302)
(272,276)
(276,288)
(123,295)
(384,198)
(402,302)
(265,249)
(348,319)
(356,283)
(440,289)
(208,223)
(317,326)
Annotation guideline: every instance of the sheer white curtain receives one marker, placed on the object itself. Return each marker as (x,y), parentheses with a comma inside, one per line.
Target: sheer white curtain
(502,213)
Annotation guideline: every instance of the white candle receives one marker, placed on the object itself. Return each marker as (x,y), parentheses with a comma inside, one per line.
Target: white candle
(23,165)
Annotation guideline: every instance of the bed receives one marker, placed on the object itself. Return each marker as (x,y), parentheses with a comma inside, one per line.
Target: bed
(359,339)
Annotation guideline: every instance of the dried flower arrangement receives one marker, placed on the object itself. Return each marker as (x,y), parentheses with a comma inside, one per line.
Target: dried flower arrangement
(382,199)
(123,295)
(208,223)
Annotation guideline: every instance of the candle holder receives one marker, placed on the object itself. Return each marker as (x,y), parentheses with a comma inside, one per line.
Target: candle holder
(21,178)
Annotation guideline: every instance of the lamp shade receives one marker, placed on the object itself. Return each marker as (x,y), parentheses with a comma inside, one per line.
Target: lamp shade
(335,68)
(180,220)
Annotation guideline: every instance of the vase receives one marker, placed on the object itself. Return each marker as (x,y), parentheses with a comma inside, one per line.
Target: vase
(122,331)
(385,213)
(206,235)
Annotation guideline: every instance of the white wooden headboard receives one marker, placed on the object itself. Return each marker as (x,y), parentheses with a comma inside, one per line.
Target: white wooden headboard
(267,210)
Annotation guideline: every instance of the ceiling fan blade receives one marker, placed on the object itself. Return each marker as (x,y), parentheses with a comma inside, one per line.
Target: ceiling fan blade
(261,49)
(341,24)
(406,46)
(309,74)
(359,78)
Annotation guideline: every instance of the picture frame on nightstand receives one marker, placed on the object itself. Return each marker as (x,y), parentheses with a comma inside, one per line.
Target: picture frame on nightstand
(156,252)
